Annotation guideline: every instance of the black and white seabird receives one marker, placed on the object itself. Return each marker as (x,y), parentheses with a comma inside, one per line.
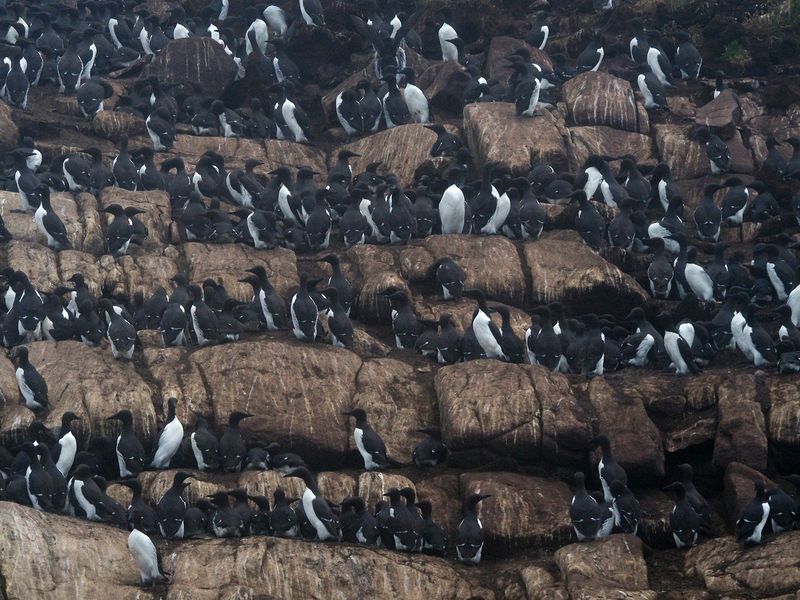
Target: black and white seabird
(145,553)
(32,386)
(655,96)
(232,447)
(121,230)
(753,517)
(317,510)
(202,320)
(63,452)
(169,439)
(446,144)
(592,55)
(450,276)
(369,444)
(304,313)
(121,333)
(431,451)
(608,469)
(149,517)
(283,519)
(130,453)
(49,223)
(272,304)
(683,520)
(91,96)
(584,511)
(339,324)
(486,332)
(171,509)
(782,510)
(539,32)
(38,481)
(470,535)
(205,447)
(716,150)
(687,58)
(627,511)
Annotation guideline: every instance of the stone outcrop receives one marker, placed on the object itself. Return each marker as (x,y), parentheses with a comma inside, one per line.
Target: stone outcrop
(570,272)
(495,133)
(195,61)
(206,569)
(597,98)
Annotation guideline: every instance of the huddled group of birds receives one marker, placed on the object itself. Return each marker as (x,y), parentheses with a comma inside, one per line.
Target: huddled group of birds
(771,511)
(719,303)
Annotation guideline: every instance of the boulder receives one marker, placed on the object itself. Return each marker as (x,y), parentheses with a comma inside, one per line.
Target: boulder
(111,125)
(444,493)
(47,556)
(491,405)
(523,511)
(742,433)
(227,263)
(683,409)
(444,85)
(37,261)
(738,481)
(372,485)
(610,568)
(766,571)
(194,61)
(179,378)
(686,158)
(9,133)
(399,400)
(400,150)
(157,216)
(501,47)
(597,98)
(635,440)
(606,141)
(104,387)
(371,269)
(723,112)
(296,391)
(540,584)
(570,272)
(491,262)
(494,133)
(783,416)
(23,228)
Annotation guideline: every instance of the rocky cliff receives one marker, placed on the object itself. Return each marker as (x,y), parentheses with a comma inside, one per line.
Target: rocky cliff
(518,432)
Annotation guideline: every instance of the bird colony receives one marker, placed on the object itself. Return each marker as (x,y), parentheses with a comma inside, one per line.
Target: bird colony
(713,295)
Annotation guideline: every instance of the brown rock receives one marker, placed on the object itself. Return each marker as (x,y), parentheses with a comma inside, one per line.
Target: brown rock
(606,141)
(444,85)
(105,387)
(372,485)
(178,378)
(398,399)
(443,492)
(487,403)
(227,263)
(147,272)
(610,568)
(635,440)
(765,571)
(23,228)
(157,216)
(400,149)
(596,98)
(502,46)
(540,584)
(495,133)
(784,414)
(739,480)
(523,511)
(686,158)
(741,435)
(570,272)
(111,125)
(9,134)
(194,61)
(370,270)
(722,112)
(38,262)
(296,391)
(491,263)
